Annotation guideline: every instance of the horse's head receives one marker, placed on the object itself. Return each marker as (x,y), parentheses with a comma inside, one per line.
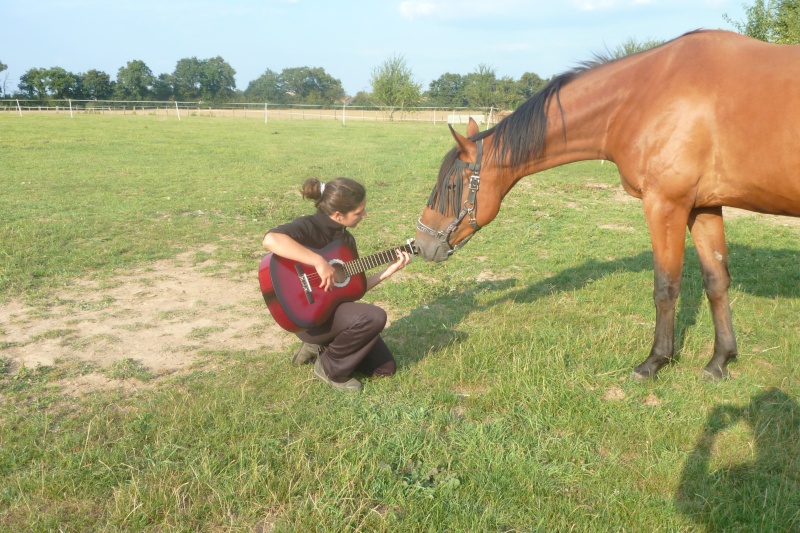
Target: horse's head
(465,198)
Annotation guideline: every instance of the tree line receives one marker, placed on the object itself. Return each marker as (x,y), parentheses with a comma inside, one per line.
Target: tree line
(393,86)
(213,81)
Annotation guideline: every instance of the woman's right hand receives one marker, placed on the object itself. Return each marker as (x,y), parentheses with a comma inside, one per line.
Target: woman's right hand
(326,274)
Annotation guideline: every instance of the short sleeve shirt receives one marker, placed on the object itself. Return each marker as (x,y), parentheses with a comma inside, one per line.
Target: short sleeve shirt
(316,231)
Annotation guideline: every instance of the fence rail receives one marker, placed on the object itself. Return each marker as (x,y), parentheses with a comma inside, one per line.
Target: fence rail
(263,111)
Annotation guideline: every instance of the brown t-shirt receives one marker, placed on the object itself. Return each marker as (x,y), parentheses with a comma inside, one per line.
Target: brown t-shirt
(316,231)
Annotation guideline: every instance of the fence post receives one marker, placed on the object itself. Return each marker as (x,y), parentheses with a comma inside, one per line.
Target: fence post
(178,111)
(19,108)
(70,109)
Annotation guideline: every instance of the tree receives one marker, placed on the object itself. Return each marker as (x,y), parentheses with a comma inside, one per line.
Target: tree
(3,89)
(299,85)
(188,79)
(266,88)
(787,23)
(772,21)
(163,87)
(55,82)
(33,84)
(304,85)
(632,46)
(508,94)
(134,81)
(447,91)
(97,85)
(203,79)
(393,85)
(529,84)
(362,99)
(62,84)
(218,79)
(481,87)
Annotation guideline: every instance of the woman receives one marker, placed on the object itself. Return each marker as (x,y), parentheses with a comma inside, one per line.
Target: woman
(350,340)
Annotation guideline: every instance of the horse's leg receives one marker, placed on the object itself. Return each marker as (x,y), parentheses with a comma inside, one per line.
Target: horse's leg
(667,224)
(708,234)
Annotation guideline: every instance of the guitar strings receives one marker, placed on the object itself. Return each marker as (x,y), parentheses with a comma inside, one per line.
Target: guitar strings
(385,256)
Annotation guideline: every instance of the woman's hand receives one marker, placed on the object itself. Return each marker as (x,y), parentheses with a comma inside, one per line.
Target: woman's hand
(403,258)
(326,274)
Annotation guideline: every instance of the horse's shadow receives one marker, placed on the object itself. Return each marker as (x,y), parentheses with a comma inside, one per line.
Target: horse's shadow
(755,495)
(763,272)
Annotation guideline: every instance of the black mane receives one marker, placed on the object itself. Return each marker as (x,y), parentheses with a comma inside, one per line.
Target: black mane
(521,135)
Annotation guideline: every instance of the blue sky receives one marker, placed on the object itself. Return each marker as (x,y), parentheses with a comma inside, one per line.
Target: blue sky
(346,38)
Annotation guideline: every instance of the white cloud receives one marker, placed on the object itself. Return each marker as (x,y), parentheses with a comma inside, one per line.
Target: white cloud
(412,9)
(594,5)
(459,9)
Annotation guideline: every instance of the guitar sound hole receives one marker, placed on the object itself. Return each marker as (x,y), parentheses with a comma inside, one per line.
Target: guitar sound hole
(340,275)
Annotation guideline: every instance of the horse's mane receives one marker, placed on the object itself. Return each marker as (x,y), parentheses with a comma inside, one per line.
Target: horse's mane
(521,135)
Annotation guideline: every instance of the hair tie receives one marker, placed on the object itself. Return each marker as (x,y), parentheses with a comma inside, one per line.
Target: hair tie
(321,188)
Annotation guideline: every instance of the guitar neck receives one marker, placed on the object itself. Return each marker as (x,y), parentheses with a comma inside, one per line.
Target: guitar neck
(362,264)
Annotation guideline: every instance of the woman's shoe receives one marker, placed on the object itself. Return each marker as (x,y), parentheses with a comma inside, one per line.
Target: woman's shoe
(351,385)
(306,354)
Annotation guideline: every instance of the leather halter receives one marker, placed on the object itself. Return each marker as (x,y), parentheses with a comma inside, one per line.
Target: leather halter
(469,206)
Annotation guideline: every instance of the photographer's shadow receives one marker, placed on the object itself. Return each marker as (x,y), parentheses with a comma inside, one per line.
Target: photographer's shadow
(758,494)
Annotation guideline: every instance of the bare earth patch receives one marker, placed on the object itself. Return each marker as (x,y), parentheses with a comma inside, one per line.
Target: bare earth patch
(161,317)
(731,213)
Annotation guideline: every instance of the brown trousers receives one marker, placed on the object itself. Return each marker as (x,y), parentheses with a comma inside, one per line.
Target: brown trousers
(352,342)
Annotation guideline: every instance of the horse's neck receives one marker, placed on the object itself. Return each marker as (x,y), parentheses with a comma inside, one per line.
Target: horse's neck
(580,118)
(579,132)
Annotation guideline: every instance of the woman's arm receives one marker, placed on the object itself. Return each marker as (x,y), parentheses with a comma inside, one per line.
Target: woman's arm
(285,246)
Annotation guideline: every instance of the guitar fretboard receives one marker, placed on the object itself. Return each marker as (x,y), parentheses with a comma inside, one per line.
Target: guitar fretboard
(362,264)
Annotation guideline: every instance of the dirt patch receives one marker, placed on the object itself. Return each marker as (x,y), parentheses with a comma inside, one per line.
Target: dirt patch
(731,213)
(162,318)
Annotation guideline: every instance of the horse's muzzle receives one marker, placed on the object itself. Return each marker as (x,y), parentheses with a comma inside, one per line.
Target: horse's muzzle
(432,249)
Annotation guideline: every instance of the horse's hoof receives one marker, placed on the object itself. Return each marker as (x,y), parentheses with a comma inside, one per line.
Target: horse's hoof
(715,374)
(646,375)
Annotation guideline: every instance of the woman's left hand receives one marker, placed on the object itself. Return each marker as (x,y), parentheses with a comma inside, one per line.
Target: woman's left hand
(403,258)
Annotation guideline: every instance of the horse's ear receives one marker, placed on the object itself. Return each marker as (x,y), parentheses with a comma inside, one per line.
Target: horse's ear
(462,141)
(472,127)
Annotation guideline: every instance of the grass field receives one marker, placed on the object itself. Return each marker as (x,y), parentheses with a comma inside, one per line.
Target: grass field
(513,407)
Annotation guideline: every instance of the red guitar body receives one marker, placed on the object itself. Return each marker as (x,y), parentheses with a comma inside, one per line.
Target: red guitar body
(297,304)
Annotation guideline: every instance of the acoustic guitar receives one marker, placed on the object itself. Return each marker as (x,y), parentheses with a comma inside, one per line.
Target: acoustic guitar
(291,289)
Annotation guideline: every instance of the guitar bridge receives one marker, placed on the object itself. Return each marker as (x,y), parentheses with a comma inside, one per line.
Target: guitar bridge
(305,284)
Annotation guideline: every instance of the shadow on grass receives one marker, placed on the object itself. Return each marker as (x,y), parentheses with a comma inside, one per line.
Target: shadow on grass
(760,494)
(762,272)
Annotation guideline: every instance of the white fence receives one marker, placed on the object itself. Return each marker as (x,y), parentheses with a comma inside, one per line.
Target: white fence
(262,111)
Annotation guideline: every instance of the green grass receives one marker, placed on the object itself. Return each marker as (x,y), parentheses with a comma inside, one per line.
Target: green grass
(512,409)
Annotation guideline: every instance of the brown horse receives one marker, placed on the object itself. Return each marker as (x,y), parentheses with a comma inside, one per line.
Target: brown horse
(707,120)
